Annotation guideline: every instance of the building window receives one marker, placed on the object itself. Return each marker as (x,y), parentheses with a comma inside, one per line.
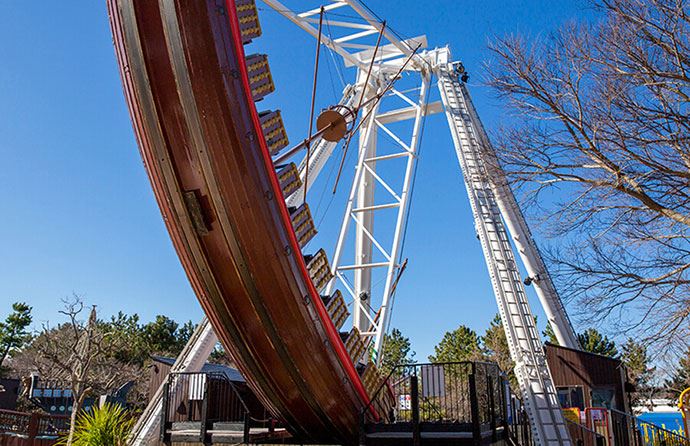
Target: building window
(571,396)
(603,397)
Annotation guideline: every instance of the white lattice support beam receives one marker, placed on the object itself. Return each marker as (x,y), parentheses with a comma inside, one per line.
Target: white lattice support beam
(406,113)
(386,309)
(405,48)
(365,223)
(301,21)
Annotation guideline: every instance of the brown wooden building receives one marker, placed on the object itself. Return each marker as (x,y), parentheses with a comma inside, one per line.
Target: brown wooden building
(586,379)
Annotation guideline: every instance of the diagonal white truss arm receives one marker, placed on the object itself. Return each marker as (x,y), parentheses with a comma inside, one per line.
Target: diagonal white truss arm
(361,210)
(525,243)
(531,370)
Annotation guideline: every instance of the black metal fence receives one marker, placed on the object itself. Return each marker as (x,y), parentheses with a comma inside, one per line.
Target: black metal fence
(455,396)
(200,400)
(53,425)
(519,429)
(629,430)
(33,425)
(583,436)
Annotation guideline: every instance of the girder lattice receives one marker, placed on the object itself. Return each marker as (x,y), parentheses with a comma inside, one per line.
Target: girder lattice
(531,369)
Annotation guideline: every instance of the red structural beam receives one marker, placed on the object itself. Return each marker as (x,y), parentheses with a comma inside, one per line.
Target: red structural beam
(187,88)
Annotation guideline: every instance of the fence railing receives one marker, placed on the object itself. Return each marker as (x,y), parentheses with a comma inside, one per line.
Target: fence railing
(462,396)
(583,436)
(519,429)
(202,399)
(14,422)
(33,425)
(629,430)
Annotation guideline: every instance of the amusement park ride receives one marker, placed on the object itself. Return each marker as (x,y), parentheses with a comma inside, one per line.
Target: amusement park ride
(235,205)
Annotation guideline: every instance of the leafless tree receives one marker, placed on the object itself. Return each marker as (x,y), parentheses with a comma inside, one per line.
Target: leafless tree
(600,151)
(78,353)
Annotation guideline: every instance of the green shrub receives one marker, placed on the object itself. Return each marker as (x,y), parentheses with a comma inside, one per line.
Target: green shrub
(108,425)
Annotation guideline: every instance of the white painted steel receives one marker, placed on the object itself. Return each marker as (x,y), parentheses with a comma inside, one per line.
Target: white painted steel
(363,215)
(524,241)
(387,302)
(526,349)
(364,228)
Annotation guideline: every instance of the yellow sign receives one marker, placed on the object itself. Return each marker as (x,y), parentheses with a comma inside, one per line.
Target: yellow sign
(572,414)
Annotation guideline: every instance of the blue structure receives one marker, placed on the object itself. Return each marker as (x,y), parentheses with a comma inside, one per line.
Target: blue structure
(672,421)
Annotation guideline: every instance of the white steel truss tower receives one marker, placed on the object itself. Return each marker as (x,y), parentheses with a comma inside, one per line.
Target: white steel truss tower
(498,220)
(495,209)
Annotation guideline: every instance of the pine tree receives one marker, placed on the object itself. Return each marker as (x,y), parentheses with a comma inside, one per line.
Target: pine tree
(14,331)
(549,334)
(680,380)
(591,340)
(636,360)
(461,344)
(496,349)
(396,350)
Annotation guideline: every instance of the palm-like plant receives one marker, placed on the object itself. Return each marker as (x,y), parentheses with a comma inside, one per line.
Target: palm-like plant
(108,425)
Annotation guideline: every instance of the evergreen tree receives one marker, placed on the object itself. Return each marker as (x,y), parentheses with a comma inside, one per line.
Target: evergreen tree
(591,340)
(549,334)
(165,336)
(14,331)
(461,344)
(496,348)
(636,360)
(680,380)
(396,350)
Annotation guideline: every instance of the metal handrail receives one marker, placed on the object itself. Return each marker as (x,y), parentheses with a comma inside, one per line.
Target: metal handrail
(472,369)
(597,438)
(384,383)
(210,377)
(676,438)
(222,377)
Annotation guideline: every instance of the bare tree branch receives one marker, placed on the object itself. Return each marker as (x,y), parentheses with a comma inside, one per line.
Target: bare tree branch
(601,146)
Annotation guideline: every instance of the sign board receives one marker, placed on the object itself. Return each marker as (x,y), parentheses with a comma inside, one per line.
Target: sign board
(197,384)
(671,421)
(572,414)
(433,381)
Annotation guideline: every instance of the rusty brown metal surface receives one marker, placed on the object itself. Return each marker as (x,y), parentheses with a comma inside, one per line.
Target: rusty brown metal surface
(185,82)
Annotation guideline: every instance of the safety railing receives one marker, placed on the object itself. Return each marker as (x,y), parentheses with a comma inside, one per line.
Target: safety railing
(630,430)
(14,422)
(455,396)
(583,436)
(519,429)
(198,400)
(33,425)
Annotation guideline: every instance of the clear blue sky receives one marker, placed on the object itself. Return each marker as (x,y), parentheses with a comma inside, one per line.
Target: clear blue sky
(78,214)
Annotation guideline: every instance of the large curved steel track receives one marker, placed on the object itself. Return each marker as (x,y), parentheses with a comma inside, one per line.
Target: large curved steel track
(187,87)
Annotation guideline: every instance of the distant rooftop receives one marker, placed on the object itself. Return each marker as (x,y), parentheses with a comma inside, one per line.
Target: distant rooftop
(232,373)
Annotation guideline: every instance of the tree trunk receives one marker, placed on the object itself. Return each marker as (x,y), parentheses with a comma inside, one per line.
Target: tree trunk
(76,407)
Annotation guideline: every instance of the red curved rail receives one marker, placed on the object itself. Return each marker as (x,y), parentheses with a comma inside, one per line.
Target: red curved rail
(187,88)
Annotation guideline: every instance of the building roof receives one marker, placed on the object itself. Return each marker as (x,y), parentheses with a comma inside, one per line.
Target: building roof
(598,355)
(232,373)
